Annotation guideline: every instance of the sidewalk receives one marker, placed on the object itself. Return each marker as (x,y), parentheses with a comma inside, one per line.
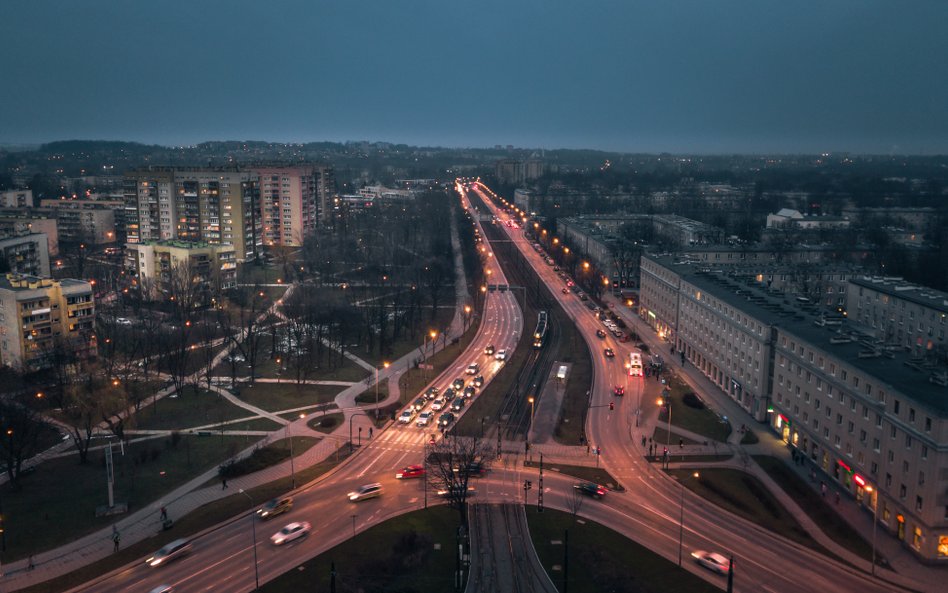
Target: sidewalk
(145,522)
(906,571)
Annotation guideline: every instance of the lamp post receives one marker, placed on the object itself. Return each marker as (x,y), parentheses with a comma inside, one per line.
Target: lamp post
(386,365)
(875,522)
(467,316)
(681,517)
(661,402)
(289,438)
(253,531)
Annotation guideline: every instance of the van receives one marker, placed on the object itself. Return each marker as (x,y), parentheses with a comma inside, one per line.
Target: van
(171,551)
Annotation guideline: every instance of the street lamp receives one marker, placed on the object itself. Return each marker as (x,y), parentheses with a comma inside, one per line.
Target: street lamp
(875,522)
(386,365)
(253,531)
(681,516)
(290,439)
(662,402)
(467,316)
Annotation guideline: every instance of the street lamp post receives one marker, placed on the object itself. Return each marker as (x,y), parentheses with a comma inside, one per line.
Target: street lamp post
(289,437)
(530,425)
(253,531)
(667,401)
(386,365)
(681,517)
(467,316)
(875,522)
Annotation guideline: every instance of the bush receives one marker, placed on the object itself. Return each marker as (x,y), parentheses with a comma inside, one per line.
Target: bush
(692,401)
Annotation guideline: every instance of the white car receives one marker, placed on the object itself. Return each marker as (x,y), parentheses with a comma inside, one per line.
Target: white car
(406,416)
(712,561)
(501,355)
(291,532)
(123,321)
(424,418)
(437,404)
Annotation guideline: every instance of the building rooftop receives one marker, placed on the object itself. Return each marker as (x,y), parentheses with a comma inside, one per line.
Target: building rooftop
(899,288)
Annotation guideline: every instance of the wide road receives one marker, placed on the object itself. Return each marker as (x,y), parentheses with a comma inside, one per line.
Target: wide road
(650,508)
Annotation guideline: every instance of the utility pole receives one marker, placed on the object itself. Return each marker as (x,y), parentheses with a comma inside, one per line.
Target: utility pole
(565,560)
(540,487)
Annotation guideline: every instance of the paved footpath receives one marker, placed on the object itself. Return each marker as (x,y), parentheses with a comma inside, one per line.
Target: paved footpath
(145,522)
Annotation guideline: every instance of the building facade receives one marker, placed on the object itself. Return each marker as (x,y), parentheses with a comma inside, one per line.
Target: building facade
(170,267)
(26,254)
(904,314)
(16,198)
(40,316)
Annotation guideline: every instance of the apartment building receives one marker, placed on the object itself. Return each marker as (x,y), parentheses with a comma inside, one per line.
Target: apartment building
(167,267)
(40,316)
(16,198)
(116,206)
(26,254)
(869,409)
(908,315)
(219,206)
(289,203)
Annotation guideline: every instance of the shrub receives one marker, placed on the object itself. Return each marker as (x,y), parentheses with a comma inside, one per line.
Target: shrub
(691,400)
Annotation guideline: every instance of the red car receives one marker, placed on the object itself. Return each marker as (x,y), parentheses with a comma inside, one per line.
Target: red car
(619,390)
(411,471)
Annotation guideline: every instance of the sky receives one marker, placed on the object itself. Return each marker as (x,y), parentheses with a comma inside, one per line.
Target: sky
(683,76)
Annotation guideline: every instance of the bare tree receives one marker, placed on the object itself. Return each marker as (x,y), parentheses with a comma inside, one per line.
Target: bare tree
(452,463)
(22,427)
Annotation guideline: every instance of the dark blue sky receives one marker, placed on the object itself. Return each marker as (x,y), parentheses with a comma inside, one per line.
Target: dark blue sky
(659,75)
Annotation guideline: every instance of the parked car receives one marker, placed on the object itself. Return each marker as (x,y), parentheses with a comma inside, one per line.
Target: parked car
(275,507)
(410,471)
(171,551)
(365,492)
(712,561)
(590,489)
(292,531)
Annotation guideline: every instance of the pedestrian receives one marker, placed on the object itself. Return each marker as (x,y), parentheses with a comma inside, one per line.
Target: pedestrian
(643,440)
(823,488)
(30,565)
(837,497)
(587,449)
(164,514)
(370,432)
(223,482)
(115,539)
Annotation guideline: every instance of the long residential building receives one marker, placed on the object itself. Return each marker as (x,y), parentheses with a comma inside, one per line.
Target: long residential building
(169,267)
(867,406)
(40,317)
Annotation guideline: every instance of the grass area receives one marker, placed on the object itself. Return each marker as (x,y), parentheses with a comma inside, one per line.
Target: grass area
(370,395)
(704,421)
(749,438)
(572,422)
(267,368)
(588,474)
(231,507)
(274,397)
(326,423)
(397,555)
(272,454)
(253,424)
(191,407)
(744,495)
(315,410)
(57,503)
(662,436)
(601,559)
(404,345)
(816,507)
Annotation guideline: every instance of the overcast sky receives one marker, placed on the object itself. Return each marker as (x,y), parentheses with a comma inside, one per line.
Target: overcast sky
(697,76)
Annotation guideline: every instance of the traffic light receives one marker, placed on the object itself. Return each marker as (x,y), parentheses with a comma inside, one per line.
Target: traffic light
(612,405)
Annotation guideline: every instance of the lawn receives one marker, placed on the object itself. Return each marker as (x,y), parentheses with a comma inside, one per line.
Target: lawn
(816,507)
(57,503)
(275,397)
(327,422)
(206,516)
(601,559)
(412,552)
(704,421)
(373,394)
(576,399)
(744,495)
(187,409)
(588,474)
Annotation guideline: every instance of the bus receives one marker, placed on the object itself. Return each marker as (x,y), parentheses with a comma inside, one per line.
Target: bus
(635,365)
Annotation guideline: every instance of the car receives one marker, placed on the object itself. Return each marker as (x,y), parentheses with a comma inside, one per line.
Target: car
(275,507)
(472,369)
(457,405)
(469,391)
(419,404)
(489,350)
(410,471)
(458,384)
(618,390)
(564,290)
(438,404)
(171,551)
(424,418)
(406,416)
(590,489)
(449,490)
(600,333)
(609,353)
(292,531)
(501,355)
(712,561)
(123,321)
(446,419)
(583,297)
(479,381)
(474,469)
(162,589)
(431,393)
(365,492)
(617,333)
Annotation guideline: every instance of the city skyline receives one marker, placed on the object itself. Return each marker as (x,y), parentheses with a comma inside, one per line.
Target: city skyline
(685,78)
